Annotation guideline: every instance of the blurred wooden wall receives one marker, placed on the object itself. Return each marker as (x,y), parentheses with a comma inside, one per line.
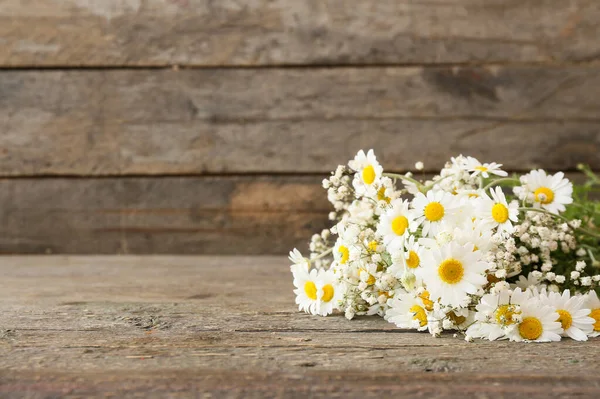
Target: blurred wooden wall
(205,126)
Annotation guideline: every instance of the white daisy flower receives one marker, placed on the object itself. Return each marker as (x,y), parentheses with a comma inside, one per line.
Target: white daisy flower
(477,233)
(407,259)
(529,282)
(452,272)
(537,323)
(328,293)
(469,194)
(495,312)
(411,187)
(412,254)
(341,252)
(573,315)
(386,191)
(298,261)
(465,213)
(395,224)
(306,289)
(433,209)
(496,212)
(409,311)
(550,192)
(316,291)
(484,169)
(593,303)
(368,173)
(457,165)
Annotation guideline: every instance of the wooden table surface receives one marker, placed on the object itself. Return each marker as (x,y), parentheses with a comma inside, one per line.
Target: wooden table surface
(173,326)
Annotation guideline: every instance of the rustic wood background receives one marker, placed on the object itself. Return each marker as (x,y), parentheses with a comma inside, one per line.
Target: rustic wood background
(199,126)
(227,327)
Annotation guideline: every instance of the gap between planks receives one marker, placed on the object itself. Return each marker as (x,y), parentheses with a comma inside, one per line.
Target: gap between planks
(465,64)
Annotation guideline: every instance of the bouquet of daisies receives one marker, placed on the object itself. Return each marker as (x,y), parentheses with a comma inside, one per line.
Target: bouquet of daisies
(470,250)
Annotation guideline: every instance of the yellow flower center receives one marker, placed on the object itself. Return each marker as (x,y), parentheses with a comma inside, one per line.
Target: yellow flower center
(426,301)
(311,290)
(370,280)
(473,195)
(434,211)
(481,168)
(368,174)
(413,260)
(451,271)
(373,246)
(419,314)
(531,328)
(544,195)
(565,319)
(399,225)
(595,314)
(500,213)
(343,250)
(327,292)
(384,293)
(381,195)
(504,315)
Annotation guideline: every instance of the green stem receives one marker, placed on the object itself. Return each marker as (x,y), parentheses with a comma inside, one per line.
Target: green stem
(593,259)
(322,255)
(402,177)
(502,180)
(580,206)
(589,173)
(430,186)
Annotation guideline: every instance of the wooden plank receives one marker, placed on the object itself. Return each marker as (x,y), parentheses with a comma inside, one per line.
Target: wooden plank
(235,121)
(227,327)
(240,215)
(229,32)
(169,215)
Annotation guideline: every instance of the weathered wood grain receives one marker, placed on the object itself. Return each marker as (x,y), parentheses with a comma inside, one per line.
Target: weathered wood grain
(227,327)
(239,215)
(167,215)
(235,121)
(229,32)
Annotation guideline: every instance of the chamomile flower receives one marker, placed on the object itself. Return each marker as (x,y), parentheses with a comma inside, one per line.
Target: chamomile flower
(484,169)
(341,252)
(327,293)
(298,261)
(537,323)
(412,255)
(386,191)
(550,192)
(593,303)
(476,233)
(306,289)
(409,311)
(316,291)
(496,212)
(432,210)
(407,259)
(573,315)
(452,272)
(532,280)
(496,312)
(441,260)
(395,224)
(368,172)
